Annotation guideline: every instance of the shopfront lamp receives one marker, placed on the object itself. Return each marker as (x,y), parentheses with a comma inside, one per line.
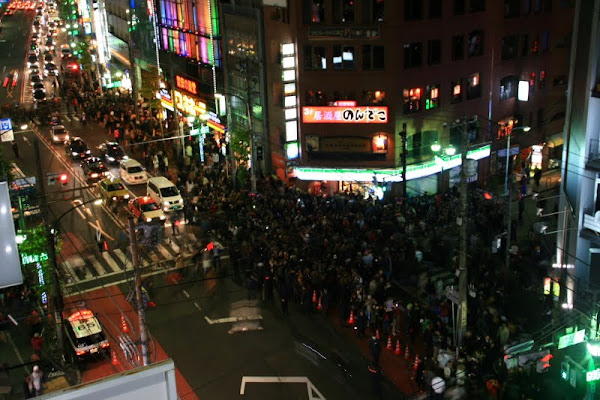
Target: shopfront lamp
(436,147)
(450,151)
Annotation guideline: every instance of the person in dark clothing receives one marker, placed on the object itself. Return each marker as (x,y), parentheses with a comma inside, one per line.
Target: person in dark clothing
(375,348)
(15,148)
(284,295)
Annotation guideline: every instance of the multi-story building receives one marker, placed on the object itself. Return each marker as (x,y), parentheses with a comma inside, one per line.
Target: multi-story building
(578,244)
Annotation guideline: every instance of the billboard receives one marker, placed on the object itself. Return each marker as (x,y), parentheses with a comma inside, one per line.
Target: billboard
(10,268)
(345,115)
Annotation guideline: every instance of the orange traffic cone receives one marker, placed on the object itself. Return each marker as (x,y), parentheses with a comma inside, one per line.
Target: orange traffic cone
(314,299)
(406,353)
(319,306)
(124,326)
(377,335)
(115,360)
(351,319)
(398,350)
(389,346)
(417,362)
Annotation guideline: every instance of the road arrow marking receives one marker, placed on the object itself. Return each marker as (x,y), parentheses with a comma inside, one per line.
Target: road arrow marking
(232,319)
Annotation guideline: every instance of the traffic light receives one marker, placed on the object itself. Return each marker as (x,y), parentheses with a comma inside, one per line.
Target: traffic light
(564,370)
(259,153)
(64,179)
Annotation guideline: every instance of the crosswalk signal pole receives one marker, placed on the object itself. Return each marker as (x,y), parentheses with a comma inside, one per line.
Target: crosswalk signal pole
(141,309)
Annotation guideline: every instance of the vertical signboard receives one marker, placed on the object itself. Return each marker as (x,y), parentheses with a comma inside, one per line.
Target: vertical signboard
(10,268)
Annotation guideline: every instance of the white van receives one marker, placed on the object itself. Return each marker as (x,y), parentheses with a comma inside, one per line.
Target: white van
(132,172)
(165,193)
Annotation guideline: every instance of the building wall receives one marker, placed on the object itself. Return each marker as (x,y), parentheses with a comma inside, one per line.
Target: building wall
(398,30)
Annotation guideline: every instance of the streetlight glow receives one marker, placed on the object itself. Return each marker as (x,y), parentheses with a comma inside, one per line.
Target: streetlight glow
(435,147)
(450,151)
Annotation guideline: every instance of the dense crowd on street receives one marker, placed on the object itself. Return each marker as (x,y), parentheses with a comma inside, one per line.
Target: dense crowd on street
(348,250)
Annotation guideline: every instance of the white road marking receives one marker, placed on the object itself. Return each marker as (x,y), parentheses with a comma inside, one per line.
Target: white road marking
(313,392)
(232,319)
(197,306)
(185,293)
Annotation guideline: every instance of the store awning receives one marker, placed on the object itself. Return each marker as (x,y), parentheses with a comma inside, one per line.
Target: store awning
(556,140)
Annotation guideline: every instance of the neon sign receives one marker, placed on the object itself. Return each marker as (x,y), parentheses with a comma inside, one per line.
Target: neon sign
(186,84)
(345,115)
(33,258)
(594,375)
(188,105)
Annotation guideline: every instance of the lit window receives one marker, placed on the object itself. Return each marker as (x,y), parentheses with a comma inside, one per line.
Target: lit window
(291,131)
(456,91)
(433,97)
(473,86)
(287,49)
(289,75)
(412,100)
(289,88)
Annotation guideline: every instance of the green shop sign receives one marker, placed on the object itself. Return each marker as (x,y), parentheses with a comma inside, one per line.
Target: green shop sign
(571,339)
(33,258)
(592,376)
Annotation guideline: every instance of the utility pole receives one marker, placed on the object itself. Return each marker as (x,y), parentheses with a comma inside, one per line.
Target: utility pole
(404,183)
(463,290)
(141,309)
(133,72)
(57,299)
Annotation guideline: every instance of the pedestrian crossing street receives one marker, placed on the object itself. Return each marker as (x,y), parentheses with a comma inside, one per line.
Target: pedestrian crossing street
(116,261)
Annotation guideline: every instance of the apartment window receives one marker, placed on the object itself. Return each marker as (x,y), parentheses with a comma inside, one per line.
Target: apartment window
(510,45)
(435,8)
(432,99)
(475,44)
(537,7)
(343,57)
(477,6)
(373,11)
(373,97)
(546,41)
(456,92)
(458,47)
(542,80)
(315,58)
(524,45)
(508,87)
(413,55)
(412,100)
(459,7)
(434,52)
(413,10)
(314,11)
(343,11)
(373,57)
(511,8)
(473,86)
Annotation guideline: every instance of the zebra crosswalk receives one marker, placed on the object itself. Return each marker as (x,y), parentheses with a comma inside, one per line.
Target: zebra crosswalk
(80,268)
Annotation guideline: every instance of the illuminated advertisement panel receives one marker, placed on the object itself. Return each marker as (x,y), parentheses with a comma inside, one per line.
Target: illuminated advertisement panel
(190,28)
(345,115)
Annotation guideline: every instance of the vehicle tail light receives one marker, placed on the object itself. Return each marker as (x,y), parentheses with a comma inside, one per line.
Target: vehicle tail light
(105,345)
(5,82)
(80,352)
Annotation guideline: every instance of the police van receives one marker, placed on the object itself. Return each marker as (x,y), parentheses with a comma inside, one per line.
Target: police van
(85,335)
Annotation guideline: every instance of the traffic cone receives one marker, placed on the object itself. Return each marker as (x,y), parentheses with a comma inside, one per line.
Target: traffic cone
(124,326)
(389,346)
(314,299)
(351,319)
(377,335)
(115,360)
(319,306)
(406,353)
(417,362)
(398,350)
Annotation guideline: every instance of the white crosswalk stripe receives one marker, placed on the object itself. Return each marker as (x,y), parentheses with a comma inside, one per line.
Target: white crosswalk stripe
(78,269)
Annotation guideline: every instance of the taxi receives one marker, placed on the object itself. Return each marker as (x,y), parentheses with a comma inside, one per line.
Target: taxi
(145,209)
(111,189)
(85,335)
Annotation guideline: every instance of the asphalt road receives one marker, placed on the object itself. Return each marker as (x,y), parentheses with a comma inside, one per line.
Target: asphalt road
(200,325)
(14,40)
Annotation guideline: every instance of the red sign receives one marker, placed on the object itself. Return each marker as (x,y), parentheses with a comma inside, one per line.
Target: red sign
(345,115)
(186,84)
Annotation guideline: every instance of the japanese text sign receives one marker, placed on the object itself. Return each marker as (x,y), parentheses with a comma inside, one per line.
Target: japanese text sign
(345,115)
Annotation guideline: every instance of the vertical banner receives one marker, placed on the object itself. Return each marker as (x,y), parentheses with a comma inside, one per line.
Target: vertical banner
(10,268)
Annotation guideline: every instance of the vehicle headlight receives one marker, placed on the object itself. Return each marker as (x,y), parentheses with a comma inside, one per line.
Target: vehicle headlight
(74,153)
(126,196)
(162,217)
(148,219)
(94,175)
(166,209)
(88,152)
(166,203)
(55,138)
(114,198)
(181,201)
(111,159)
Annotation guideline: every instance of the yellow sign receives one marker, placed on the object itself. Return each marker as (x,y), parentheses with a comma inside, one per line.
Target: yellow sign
(188,105)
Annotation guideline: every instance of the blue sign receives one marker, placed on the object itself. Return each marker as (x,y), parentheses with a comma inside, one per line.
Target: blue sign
(5,124)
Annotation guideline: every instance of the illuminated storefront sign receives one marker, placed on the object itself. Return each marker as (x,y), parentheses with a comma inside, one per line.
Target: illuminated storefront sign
(344,115)
(186,84)
(380,144)
(592,376)
(33,258)
(571,339)
(188,105)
